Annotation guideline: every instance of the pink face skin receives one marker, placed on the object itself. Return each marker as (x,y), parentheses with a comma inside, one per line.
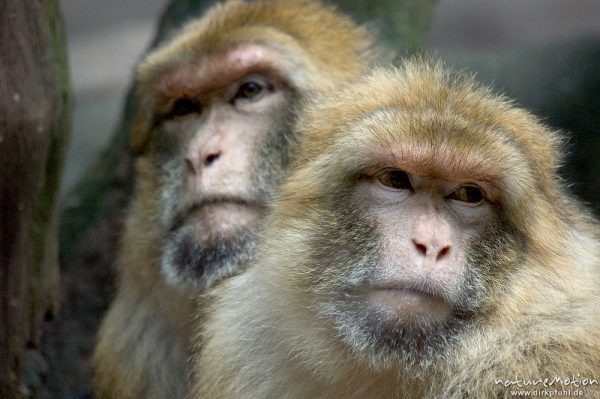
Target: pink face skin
(220,154)
(425,224)
(224,111)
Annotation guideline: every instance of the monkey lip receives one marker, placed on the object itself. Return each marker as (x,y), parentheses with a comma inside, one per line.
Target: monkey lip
(225,203)
(411,303)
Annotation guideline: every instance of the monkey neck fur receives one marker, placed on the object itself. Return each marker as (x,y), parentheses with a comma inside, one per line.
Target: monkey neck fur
(157,330)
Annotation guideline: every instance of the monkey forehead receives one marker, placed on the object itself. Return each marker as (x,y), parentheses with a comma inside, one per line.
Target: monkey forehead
(316,38)
(220,69)
(438,146)
(423,100)
(435,144)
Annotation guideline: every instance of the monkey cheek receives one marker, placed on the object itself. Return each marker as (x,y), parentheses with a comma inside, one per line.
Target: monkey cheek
(410,307)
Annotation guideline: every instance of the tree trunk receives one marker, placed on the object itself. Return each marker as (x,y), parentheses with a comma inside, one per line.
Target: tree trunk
(34,110)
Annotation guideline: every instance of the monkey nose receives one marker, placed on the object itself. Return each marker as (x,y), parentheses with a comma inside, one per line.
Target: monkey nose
(432,250)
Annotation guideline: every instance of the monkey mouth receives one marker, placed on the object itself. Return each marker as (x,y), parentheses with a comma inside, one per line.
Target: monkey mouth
(411,303)
(188,213)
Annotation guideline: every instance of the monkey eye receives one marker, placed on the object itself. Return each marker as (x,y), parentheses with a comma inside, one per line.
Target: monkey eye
(396,179)
(184,106)
(470,194)
(250,90)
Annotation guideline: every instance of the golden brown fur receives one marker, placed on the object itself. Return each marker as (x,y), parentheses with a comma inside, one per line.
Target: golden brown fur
(267,334)
(143,344)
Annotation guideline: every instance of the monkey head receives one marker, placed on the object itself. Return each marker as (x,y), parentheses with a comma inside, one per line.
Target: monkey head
(216,103)
(416,201)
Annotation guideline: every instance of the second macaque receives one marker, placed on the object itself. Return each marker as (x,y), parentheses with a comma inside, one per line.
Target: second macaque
(424,246)
(213,133)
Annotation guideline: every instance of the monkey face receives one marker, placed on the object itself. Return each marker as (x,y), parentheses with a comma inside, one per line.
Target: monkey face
(399,285)
(216,103)
(417,257)
(426,235)
(219,146)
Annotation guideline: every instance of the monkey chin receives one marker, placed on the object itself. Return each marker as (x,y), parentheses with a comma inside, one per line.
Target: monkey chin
(209,243)
(397,326)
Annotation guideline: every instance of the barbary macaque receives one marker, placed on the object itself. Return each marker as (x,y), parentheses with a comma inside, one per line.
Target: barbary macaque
(423,246)
(213,133)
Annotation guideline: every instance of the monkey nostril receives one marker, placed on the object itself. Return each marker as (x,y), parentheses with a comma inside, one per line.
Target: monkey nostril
(211,158)
(445,251)
(421,248)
